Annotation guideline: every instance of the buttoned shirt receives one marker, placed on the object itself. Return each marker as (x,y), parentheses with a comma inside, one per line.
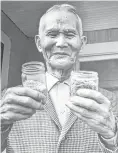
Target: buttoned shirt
(59,93)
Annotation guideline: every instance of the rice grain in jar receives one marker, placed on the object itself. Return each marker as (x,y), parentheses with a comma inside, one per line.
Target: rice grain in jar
(83,79)
(33,76)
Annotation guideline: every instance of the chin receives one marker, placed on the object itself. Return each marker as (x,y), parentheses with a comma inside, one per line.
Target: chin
(62,63)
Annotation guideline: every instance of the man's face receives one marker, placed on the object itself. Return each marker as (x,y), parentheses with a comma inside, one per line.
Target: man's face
(60,39)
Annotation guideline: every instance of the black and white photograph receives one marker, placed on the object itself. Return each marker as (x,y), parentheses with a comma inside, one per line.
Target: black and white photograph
(59,77)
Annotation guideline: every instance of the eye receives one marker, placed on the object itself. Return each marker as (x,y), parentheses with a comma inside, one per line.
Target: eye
(52,34)
(69,35)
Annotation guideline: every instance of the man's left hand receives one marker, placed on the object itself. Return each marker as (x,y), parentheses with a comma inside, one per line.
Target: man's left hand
(95,110)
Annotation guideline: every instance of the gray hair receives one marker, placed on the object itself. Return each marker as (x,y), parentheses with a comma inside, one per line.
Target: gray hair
(68,8)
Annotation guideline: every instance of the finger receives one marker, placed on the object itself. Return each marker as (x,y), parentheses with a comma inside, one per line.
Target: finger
(90,121)
(98,118)
(93,94)
(10,117)
(97,123)
(22,100)
(25,91)
(82,111)
(87,113)
(96,126)
(85,103)
(16,109)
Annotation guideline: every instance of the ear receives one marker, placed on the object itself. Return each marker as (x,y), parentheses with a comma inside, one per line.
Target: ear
(37,42)
(84,41)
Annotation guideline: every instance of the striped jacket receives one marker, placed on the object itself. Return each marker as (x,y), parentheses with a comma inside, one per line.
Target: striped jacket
(42,133)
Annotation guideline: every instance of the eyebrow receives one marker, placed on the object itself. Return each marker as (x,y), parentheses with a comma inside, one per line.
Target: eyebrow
(52,29)
(71,31)
(65,30)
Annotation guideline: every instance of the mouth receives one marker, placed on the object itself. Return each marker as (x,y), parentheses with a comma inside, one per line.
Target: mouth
(61,53)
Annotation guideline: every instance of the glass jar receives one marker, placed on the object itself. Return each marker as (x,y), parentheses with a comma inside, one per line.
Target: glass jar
(83,79)
(33,76)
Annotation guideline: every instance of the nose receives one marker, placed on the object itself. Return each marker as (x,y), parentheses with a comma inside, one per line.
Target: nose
(61,41)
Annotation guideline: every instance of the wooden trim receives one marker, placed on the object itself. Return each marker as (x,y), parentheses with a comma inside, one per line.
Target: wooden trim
(109,84)
(99,51)
(6,58)
(100,36)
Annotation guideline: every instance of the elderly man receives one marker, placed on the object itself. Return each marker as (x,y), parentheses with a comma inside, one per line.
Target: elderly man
(87,126)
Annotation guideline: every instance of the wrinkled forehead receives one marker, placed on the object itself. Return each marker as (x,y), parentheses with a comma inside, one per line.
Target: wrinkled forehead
(57,19)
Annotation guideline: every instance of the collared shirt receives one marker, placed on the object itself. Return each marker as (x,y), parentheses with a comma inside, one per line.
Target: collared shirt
(59,93)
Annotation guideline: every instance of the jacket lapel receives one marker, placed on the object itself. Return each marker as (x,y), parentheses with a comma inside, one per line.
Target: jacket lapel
(49,107)
(71,118)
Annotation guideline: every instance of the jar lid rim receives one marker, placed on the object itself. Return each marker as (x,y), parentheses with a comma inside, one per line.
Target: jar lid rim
(33,63)
(85,72)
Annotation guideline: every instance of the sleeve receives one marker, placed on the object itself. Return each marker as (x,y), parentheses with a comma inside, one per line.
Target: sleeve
(5,129)
(110,145)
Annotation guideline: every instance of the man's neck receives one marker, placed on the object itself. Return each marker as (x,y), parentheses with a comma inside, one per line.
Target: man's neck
(61,74)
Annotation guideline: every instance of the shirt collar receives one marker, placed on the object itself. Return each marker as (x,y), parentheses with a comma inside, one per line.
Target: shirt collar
(51,81)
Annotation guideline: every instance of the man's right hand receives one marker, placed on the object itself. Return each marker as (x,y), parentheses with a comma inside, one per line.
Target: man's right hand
(20,103)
